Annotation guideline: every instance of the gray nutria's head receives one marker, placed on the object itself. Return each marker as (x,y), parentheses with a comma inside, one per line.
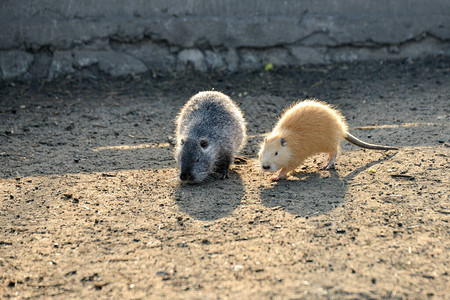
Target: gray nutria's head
(195,159)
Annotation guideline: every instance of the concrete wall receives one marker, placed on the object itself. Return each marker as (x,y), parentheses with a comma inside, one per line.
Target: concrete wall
(52,38)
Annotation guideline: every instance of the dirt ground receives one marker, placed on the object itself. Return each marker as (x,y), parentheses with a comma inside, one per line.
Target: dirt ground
(91,206)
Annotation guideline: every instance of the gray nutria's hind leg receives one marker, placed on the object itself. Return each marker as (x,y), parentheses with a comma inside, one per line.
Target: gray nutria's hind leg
(223,164)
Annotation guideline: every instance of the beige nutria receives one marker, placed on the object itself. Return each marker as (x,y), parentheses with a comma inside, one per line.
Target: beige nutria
(306,128)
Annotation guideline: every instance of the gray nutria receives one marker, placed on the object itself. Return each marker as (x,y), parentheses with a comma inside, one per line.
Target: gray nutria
(210,132)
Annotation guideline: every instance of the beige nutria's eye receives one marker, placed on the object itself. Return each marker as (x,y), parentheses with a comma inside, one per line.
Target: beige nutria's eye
(276,153)
(204,143)
(182,142)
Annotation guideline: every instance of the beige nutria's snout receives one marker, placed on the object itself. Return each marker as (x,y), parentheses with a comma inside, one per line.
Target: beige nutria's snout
(266,164)
(269,168)
(272,154)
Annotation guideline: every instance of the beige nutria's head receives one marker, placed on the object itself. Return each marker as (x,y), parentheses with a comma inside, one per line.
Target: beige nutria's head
(274,153)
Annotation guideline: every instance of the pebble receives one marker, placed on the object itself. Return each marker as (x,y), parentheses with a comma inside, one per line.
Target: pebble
(163,275)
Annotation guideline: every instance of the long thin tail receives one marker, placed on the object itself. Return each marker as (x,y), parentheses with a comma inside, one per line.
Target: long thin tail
(355,141)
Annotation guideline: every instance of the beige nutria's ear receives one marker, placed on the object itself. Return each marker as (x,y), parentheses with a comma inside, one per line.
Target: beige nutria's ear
(283,142)
(265,139)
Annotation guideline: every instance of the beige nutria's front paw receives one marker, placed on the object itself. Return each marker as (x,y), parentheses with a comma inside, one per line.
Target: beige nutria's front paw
(281,175)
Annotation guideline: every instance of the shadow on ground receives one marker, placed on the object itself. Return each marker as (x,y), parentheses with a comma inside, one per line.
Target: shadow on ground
(312,193)
(211,200)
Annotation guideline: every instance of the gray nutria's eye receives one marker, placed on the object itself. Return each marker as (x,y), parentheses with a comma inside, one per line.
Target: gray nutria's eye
(204,143)
(182,142)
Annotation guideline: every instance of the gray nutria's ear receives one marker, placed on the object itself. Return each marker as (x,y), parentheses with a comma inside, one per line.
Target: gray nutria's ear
(283,142)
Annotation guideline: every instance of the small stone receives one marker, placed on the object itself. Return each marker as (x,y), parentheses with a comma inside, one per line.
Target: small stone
(14,64)
(194,57)
(67,196)
(70,273)
(238,267)
(164,275)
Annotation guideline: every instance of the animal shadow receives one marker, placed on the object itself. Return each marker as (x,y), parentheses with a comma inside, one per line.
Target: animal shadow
(212,199)
(307,195)
(312,193)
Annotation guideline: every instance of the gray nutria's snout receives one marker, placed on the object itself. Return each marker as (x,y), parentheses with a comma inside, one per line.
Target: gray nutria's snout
(186,175)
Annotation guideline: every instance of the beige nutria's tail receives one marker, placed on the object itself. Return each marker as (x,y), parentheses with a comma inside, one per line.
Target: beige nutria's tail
(355,141)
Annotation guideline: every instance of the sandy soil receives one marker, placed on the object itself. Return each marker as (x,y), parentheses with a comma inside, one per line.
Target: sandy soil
(91,206)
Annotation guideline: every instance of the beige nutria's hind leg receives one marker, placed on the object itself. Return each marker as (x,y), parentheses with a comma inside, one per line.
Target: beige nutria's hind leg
(330,162)
(281,175)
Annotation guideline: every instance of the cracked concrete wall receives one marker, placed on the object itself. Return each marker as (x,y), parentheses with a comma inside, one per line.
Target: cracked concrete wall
(53,38)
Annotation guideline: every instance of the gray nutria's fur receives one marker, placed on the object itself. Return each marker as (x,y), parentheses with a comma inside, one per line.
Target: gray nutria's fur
(210,131)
